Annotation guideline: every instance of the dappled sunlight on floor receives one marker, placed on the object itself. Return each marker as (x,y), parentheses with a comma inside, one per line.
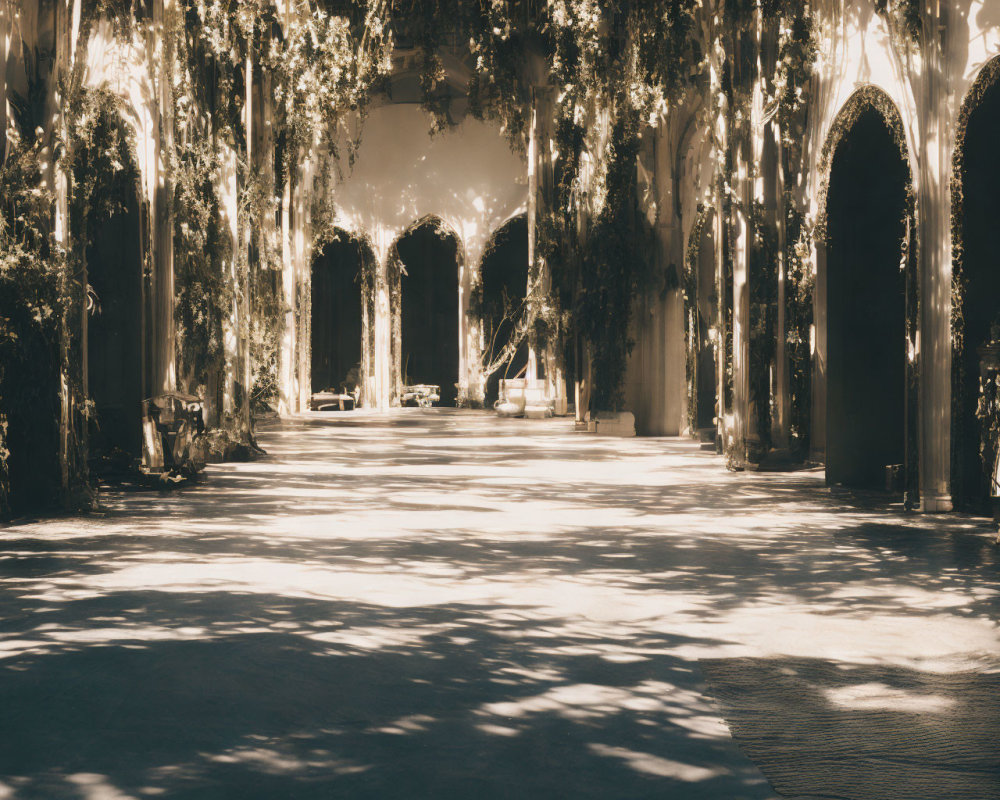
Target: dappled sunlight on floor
(444,604)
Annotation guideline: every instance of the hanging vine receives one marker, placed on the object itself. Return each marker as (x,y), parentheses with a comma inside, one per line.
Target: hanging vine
(32,306)
(798,48)
(692,258)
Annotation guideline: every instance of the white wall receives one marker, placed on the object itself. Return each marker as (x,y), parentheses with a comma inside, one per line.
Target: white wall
(468,176)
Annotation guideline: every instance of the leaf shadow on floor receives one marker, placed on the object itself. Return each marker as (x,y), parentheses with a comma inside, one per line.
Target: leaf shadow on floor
(230,695)
(863,731)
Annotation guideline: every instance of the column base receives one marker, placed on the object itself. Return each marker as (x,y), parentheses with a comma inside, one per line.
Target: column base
(935,504)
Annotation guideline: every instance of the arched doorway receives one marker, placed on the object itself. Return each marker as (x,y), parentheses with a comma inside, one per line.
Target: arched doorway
(115,324)
(336,324)
(701,321)
(428,257)
(866,304)
(706,327)
(504,287)
(978,173)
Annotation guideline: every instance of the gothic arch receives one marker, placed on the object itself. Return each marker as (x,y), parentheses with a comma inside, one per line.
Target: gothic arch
(866,98)
(867,111)
(501,275)
(341,309)
(432,320)
(967,473)
(701,323)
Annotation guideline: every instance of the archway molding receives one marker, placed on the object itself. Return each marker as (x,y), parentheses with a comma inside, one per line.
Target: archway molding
(866,99)
(987,78)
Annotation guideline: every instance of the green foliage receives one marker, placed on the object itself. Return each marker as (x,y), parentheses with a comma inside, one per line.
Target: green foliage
(31,311)
(799,285)
(267,306)
(763,283)
(798,47)
(101,165)
(100,160)
(616,260)
(325,64)
(904,14)
(321,61)
(797,50)
(202,249)
(691,263)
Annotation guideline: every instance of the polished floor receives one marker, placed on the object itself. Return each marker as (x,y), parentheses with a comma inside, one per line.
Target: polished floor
(441,604)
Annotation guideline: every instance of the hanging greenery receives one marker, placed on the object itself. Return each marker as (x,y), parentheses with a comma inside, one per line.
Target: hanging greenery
(798,48)
(100,162)
(32,307)
(763,287)
(692,257)
(904,15)
(800,284)
(321,64)
(588,78)
(615,266)
(601,70)
(202,245)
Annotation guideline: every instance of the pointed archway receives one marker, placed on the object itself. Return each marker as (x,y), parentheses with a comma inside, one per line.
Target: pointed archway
(504,287)
(866,313)
(115,326)
(701,327)
(427,256)
(336,313)
(976,316)
(705,326)
(107,221)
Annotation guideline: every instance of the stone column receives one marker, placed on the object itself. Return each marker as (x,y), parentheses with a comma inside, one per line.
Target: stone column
(781,425)
(289,337)
(228,200)
(933,345)
(302,253)
(164,367)
(470,333)
(60,183)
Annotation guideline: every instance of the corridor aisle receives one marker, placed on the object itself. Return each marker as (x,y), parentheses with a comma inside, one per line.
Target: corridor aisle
(441,604)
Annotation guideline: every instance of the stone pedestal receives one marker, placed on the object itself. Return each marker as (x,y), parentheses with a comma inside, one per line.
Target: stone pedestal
(611,423)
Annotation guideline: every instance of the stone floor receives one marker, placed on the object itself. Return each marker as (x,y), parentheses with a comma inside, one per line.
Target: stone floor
(441,604)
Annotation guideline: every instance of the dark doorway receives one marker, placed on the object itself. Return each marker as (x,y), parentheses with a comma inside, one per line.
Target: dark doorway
(114,328)
(336,314)
(706,331)
(866,312)
(505,284)
(32,408)
(981,210)
(429,308)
